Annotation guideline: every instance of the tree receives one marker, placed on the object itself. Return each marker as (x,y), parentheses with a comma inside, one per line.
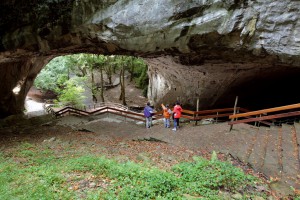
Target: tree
(53,75)
(100,63)
(77,64)
(93,68)
(72,94)
(109,68)
(130,66)
(122,83)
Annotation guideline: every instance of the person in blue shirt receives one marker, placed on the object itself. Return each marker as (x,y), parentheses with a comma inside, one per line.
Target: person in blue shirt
(148,112)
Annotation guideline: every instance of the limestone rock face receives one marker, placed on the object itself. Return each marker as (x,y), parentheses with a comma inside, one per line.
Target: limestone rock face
(17,78)
(258,83)
(215,44)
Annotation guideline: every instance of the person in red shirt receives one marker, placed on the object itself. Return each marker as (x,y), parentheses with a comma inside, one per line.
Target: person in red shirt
(177,114)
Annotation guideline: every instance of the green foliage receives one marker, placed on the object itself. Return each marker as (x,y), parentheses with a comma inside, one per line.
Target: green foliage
(57,72)
(72,94)
(205,177)
(142,79)
(43,175)
(140,75)
(53,75)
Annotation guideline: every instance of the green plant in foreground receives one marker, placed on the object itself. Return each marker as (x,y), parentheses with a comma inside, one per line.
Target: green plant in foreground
(41,175)
(205,178)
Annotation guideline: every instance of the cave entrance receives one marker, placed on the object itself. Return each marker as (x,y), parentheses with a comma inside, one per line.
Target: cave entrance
(82,80)
(265,90)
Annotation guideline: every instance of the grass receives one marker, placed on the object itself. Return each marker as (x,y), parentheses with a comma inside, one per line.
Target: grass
(36,173)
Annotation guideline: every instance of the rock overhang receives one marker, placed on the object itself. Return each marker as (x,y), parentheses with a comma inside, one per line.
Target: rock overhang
(199,33)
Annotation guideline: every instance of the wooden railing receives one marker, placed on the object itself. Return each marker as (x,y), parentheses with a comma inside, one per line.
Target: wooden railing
(251,116)
(98,111)
(123,111)
(206,114)
(260,115)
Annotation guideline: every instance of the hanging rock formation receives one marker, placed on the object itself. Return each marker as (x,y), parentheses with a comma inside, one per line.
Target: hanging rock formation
(196,49)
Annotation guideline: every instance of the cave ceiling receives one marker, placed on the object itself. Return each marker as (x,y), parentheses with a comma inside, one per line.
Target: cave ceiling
(224,43)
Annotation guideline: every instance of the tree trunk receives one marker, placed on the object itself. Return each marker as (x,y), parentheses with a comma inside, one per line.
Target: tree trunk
(102,85)
(131,69)
(94,88)
(114,66)
(122,82)
(108,71)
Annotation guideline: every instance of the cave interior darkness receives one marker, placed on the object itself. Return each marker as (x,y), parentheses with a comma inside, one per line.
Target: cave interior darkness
(269,90)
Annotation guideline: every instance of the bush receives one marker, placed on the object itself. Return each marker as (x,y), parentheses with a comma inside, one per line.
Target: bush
(206,178)
(71,95)
(41,175)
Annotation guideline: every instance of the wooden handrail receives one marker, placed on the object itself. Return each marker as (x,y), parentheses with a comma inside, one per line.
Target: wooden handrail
(120,114)
(212,116)
(215,110)
(158,113)
(106,109)
(281,115)
(188,114)
(258,112)
(70,108)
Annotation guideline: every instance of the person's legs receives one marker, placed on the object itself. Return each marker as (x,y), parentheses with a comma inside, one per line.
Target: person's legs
(175,124)
(147,122)
(150,122)
(165,122)
(168,123)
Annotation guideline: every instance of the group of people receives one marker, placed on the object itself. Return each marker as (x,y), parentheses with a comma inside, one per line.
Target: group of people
(167,112)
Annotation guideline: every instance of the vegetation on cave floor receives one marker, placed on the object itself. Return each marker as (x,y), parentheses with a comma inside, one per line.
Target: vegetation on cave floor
(66,171)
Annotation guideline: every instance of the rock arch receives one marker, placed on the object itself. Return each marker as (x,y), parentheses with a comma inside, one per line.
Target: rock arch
(201,48)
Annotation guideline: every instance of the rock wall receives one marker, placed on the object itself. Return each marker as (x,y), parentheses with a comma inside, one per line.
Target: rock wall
(16,80)
(210,41)
(216,83)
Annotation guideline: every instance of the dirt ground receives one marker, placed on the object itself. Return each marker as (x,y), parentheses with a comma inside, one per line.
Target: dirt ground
(114,138)
(125,140)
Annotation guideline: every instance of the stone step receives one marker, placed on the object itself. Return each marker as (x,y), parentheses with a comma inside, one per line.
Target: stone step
(289,162)
(257,156)
(271,165)
(297,151)
(247,138)
(297,143)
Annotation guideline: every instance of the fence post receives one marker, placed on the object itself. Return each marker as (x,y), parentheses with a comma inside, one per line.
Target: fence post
(197,109)
(234,111)
(255,123)
(258,124)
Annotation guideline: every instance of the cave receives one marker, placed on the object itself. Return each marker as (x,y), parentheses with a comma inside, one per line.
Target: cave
(211,50)
(274,89)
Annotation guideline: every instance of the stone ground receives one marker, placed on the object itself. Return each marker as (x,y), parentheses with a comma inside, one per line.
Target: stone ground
(126,140)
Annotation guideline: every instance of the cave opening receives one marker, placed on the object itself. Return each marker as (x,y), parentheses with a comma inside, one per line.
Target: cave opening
(82,80)
(264,90)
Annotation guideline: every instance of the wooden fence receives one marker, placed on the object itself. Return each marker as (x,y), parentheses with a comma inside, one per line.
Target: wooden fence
(261,115)
(242,116)
(123,111)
